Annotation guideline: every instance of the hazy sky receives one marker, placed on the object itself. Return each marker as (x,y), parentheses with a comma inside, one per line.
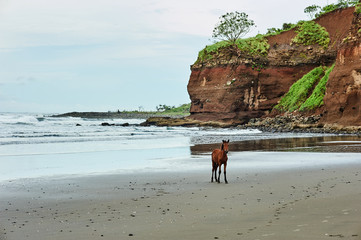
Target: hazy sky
(100,55)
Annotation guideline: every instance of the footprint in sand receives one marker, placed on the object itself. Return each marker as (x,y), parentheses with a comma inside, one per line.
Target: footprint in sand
(302,225)
(268,235)
(346,211)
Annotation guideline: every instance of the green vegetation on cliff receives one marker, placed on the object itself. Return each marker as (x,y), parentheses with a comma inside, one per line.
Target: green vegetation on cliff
(254,46)
(309,33)
(230,29)
(212,51)
(333,6)
(299,96)
(316,98)
(276,31)
(233,25)
(358,8)
(299,91)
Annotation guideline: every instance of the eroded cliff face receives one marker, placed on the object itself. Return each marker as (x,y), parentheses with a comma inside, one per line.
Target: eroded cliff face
(343,92)
(237,92)
(235,88)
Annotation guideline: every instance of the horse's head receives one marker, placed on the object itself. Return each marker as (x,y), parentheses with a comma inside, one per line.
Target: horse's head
(225,145)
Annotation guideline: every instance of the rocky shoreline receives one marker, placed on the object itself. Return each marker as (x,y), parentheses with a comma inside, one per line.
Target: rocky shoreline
(288,122)
(281,123)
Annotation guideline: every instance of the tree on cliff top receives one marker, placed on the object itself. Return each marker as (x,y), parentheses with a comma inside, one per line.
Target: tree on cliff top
(312,10)
(232,26)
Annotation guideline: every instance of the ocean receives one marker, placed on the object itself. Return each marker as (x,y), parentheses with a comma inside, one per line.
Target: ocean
(37,145)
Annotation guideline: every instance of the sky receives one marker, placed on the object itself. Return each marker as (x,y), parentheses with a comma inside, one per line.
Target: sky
(103,55)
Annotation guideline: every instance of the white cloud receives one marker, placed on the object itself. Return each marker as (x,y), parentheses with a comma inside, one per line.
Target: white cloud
(37,23)
(26,23)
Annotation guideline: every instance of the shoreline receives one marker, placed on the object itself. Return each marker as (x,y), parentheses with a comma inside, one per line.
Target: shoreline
(302,203)
(249,154)
(278,124)
(288,122)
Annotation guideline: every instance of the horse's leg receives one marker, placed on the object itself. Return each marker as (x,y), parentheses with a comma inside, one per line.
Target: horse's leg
(213,171)
(225,176)
(219,173)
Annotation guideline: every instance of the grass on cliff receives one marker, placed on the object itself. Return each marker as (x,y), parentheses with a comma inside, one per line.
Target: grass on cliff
(309,33)
(299,91)
(254,46)
(316,98)
(211,51)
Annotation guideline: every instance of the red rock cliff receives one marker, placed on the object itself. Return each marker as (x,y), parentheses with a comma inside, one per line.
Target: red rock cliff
(343,92)
(231,89)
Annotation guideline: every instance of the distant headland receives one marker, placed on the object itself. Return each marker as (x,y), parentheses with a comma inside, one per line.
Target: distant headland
(162,111)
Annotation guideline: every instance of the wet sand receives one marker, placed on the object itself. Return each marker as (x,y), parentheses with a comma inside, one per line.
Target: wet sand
(322,202)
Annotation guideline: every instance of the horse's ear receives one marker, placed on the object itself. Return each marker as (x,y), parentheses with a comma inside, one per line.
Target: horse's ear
(223,141)
(228,141)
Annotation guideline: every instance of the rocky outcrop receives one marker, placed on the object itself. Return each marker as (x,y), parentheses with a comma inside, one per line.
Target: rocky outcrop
(183,122)
(236,88)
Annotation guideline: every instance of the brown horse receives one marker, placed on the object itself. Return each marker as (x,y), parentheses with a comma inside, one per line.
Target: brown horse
(219,157)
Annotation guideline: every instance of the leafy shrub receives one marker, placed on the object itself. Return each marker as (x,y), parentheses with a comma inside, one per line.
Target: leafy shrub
(299,91)
(316,98)
(312,10)
(358,8)
(327,9)
(309,33)
(276,31)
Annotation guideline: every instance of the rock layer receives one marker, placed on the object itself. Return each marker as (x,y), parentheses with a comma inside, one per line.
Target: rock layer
(239,92)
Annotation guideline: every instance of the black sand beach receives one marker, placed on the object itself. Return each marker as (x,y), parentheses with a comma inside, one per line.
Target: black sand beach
(307,202)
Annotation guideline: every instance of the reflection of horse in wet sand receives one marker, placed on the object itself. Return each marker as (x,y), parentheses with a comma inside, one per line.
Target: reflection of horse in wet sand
(219,157)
